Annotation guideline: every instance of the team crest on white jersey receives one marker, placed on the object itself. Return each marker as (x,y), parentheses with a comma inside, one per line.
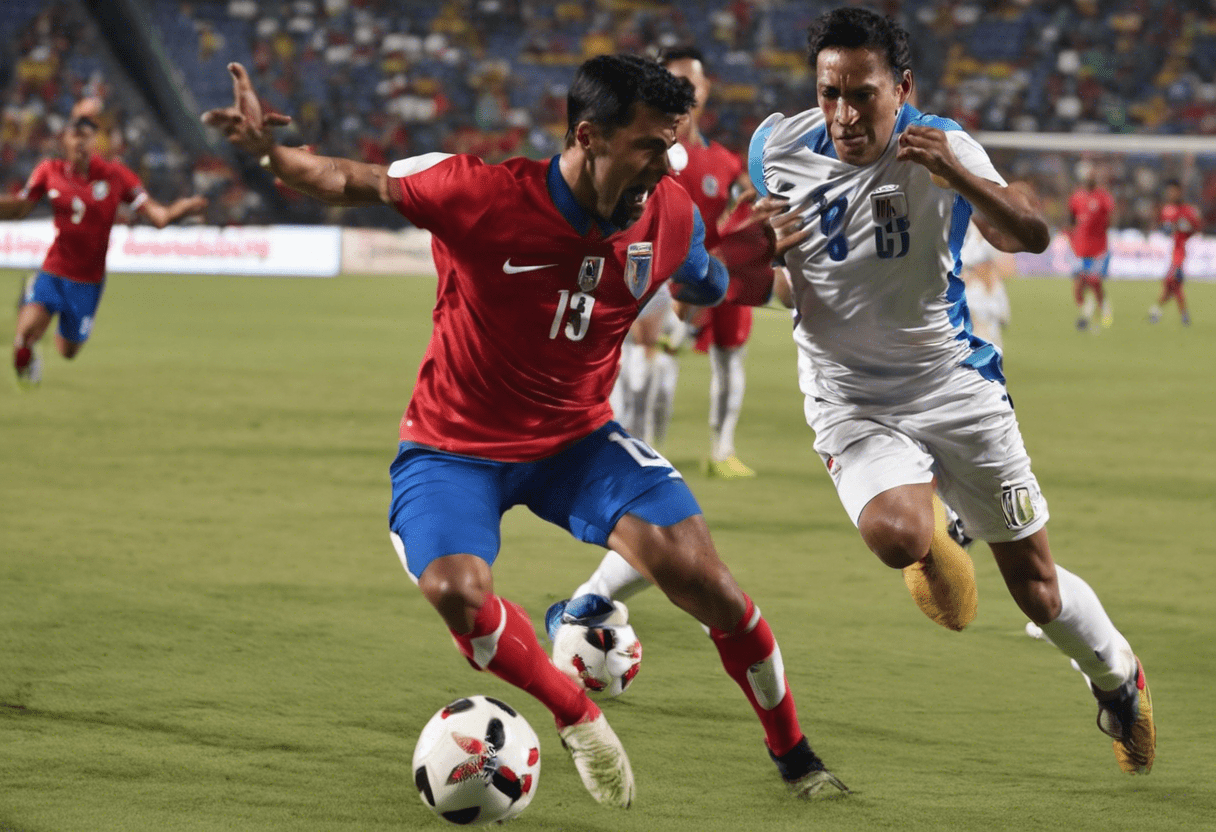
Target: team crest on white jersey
(101,189)
(890,207)
(590,273)
(888,202)
(710,185)
(637,267)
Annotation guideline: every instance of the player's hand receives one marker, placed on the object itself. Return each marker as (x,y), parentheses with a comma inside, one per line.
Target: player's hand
(928,147)
(783,226)
(244,124)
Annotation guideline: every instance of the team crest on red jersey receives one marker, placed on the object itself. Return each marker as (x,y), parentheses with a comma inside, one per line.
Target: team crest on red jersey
(101,190)
(638,258)
(591,272)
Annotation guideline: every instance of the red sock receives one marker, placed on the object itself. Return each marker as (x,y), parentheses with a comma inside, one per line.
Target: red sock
(504,643)
(22,357)
(752,658)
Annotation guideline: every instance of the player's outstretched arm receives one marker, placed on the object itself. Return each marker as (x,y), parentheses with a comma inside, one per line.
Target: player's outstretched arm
(162,215)
(15,208)
(1010,217)
(328,179)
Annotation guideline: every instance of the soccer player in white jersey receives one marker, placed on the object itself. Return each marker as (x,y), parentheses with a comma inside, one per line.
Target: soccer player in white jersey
(901,395)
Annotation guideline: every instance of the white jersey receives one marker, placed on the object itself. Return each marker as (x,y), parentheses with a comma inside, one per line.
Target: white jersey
(880,307)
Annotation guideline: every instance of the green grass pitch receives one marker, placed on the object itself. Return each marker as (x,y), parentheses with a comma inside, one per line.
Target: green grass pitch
(203,625)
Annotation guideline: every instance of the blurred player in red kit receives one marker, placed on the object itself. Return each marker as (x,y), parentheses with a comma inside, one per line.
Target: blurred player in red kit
(1091,207)
(543,266)
(85,191)
(717,181)
(1181,221)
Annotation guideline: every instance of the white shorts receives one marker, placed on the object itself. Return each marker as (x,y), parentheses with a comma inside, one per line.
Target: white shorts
(963,433)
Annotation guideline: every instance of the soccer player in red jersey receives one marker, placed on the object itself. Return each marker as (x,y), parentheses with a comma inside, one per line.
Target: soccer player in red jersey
(1091,207)
(543,266)
(1180,220)
(85,191)
(716,180)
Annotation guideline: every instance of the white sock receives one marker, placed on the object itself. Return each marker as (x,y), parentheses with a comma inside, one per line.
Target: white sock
(1084,632)
(1088,306)
(614,578)
(662,395)
(631,383)
(726,384)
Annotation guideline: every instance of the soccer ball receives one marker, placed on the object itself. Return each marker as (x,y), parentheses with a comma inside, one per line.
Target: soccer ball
(477,761)
(604,659)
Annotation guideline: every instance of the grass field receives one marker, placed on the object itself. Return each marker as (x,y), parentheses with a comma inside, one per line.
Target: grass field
(203,626)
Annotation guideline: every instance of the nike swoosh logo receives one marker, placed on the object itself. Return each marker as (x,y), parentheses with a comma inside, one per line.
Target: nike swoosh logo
(509,269)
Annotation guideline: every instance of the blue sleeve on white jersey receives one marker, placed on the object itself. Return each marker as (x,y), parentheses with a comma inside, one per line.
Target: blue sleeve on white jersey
(755,152)
(701,279)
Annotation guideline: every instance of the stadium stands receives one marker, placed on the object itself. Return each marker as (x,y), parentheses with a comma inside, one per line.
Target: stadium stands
(379,80)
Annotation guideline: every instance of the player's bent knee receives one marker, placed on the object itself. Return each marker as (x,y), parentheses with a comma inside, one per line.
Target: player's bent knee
(457,586)
(899,539)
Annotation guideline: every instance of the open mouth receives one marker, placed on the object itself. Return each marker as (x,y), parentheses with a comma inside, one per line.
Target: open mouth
(635,197)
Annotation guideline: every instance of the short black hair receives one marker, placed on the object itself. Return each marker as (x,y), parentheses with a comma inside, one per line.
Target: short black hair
(852,28)
(684,52)
(1173,182)
(82,122)
(607,89)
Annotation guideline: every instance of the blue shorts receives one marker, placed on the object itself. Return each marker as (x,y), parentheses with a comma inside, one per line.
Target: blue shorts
(446,504)
(75,302)
(1097,266)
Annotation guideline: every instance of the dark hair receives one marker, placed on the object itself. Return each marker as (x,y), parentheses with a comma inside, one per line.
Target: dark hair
(607,89)
(685,52)
(854,28)
(1173,183)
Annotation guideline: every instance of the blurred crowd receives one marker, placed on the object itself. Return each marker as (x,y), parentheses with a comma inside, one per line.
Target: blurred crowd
(383,79)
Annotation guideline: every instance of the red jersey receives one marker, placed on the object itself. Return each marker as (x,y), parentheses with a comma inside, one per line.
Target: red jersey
(84,208)
(1182,221)
(1091,213)
(535,296)
(708,177)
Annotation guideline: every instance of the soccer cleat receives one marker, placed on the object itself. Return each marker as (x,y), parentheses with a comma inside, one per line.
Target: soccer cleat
(731,468)
(601,761)
(1186,319)
(942,583)
(1128,719)
(1108,316)
(29,370)
(587,610)
(804,773)
(1082,324)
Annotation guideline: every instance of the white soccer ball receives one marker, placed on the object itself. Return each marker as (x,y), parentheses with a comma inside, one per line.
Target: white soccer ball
(604,659)
(477,761)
